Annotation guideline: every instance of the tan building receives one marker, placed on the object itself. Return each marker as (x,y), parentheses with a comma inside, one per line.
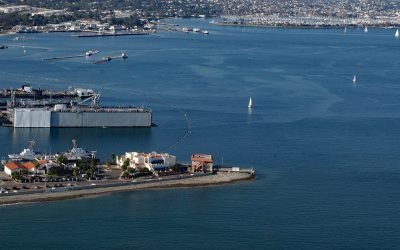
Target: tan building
(202,163)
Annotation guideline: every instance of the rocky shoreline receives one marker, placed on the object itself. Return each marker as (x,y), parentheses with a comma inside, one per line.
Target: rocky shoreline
(206,180)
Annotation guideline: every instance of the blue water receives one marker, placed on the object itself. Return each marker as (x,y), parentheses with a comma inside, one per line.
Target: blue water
(326,152)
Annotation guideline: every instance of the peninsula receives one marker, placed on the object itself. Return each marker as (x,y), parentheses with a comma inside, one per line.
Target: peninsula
(31,176)
(104,188)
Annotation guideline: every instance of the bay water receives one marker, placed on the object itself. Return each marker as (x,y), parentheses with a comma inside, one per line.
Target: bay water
(325,150)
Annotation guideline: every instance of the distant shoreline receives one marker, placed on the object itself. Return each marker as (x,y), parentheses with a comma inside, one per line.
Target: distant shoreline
(7,33)
(300,26)
(203,180)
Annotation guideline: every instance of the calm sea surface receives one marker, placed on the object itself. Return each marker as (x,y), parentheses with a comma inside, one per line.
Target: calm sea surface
(326,152)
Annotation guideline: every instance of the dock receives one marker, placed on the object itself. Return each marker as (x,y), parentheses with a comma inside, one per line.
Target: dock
(109,58)
(111,34)
(237,170)
(74,56)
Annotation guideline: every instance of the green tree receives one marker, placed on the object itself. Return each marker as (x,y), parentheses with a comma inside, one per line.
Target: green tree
(61,159)
(75,171)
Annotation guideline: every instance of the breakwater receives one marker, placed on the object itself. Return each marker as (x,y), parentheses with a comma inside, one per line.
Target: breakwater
(101,189)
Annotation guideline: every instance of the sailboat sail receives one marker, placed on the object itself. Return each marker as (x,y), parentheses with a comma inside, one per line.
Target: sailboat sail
(354,79)
(397,33)
(250,103)
(366,29)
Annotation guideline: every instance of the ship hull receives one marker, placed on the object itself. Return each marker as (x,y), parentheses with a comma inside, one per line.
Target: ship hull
(32,118)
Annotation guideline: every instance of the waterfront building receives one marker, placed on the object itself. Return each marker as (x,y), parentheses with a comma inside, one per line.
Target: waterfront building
(153,161)
(202,163)
(39,167)
(33,167)
(11,167)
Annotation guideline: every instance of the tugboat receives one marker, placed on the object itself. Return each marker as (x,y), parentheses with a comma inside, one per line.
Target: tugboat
(27,154)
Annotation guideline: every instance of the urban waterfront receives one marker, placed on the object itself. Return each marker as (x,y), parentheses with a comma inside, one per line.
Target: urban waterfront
(325,149)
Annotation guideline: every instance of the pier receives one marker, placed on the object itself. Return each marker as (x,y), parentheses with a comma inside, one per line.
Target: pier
(89,53)
(109,58)
(237,170)
(111,34)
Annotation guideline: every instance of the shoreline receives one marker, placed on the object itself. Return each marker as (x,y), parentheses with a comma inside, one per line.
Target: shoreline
(288,26)
(205,180)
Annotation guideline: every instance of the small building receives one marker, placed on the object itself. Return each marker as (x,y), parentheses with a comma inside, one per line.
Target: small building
(116,28)
(202,163)
(11,167)
(45,167)
(33,167)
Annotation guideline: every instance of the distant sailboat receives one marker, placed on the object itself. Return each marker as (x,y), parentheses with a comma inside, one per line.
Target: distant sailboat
(366,29)
(397,34)
(345,29)
(250,103)
(354,79)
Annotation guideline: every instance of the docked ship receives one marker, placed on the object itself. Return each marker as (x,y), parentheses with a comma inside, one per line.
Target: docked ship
(27,154)
(26,91)
(77,114)
(77,153)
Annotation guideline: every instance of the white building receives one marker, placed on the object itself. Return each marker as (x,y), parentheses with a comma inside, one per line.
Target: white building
(15,8)
(153,161)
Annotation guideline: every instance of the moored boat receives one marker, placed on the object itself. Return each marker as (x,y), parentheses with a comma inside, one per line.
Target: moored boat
(27,154)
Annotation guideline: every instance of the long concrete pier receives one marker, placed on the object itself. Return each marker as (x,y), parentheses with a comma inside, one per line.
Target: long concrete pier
(69,57)
(111,34)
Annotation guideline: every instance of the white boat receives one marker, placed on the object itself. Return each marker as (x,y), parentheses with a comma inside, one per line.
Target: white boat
(205,32)
(124,55)
(91,52)
(354,79)
(366,29)
(26,154)
(250,103)
(196,30)
(397,34)
(345,29)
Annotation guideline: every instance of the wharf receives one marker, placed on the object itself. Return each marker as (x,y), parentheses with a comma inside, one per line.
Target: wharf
(106,187)
(69,57)
(112,34)
(237,170)
(108,58)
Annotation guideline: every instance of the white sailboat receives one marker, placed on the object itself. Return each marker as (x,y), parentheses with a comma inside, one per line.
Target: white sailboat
(397,33)
(354,79)
(250,103)
(366,29)
(345,29)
